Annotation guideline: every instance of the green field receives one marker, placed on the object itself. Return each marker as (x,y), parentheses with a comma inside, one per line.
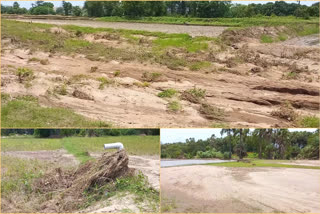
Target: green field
(79,146)
(229,22)
(263,163)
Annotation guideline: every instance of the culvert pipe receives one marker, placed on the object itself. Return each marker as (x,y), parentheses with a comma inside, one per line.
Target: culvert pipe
(116,145)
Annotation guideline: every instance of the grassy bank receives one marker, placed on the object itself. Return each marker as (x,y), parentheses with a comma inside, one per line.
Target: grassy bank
(25,111)
(229,22)
(264,163)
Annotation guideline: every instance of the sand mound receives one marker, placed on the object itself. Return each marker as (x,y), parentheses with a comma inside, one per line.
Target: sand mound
(72,184)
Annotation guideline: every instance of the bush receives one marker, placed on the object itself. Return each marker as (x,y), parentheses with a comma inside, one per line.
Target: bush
(210,154)
(167,93)
(226,155)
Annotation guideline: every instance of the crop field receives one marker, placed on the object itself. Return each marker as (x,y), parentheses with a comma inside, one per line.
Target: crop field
(64,73)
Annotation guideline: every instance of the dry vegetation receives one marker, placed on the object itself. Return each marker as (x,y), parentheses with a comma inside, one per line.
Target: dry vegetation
(134,78)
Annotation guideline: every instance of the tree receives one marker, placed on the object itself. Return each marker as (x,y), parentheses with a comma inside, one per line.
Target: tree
(67,7)
(16,5)
(133,9)
(76,11)
(60,11)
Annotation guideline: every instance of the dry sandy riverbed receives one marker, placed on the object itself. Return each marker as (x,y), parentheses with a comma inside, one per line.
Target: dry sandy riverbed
(192,30)
(222,189)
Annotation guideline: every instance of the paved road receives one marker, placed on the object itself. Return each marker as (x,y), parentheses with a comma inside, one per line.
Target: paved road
(210,31)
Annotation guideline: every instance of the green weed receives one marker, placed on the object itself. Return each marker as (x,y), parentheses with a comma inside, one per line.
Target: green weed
(174,106)
(266,39)
(168,93)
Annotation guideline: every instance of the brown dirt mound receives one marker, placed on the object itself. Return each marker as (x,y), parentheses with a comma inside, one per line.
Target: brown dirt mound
(72,185)
(237,35)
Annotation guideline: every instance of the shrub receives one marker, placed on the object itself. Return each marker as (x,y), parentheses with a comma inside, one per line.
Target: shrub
(174,106)
(24,74)
(226,155)
(167,93)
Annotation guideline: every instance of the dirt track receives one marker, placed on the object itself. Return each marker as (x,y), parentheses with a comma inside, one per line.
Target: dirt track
(232,190)
(211,31)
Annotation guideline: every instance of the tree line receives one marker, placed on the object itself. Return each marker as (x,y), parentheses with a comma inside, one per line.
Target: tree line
(241,143)
(57,133)
(136,9)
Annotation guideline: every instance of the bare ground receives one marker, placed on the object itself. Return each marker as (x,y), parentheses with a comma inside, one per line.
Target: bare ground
(232,190)
(59,157)
(248,91)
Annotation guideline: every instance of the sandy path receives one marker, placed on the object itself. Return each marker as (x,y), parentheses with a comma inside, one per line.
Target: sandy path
(59,157)
(221,189)
(210,31)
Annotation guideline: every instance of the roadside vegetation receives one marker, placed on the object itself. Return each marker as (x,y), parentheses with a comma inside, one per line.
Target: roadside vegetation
(253,162)
(269,144)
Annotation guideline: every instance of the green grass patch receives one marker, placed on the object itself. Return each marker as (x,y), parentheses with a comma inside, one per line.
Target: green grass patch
(29,144)
(19,174)
(182,41)
(174,106)
(282,37)
(80,146)
(25,111)
(197,92)
(103,82)
(229,22)
(168,93)
(263,163)
(309,122)
(266,39)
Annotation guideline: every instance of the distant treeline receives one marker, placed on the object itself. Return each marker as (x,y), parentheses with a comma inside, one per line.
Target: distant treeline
(240,143)
(136,9)
(56,133)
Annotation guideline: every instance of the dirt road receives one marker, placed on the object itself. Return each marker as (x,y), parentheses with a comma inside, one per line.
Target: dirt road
(192,30)
(222,189)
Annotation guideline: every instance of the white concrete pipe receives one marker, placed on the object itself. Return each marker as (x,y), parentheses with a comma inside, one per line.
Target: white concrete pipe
(116,145)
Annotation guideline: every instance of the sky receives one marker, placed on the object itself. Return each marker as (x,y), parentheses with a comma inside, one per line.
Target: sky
(27,4)
(180,135)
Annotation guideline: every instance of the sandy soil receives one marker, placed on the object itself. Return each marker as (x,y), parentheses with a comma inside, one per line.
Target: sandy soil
(247,92)
(303,162)
(59,157)
(221,189)
(211,31)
